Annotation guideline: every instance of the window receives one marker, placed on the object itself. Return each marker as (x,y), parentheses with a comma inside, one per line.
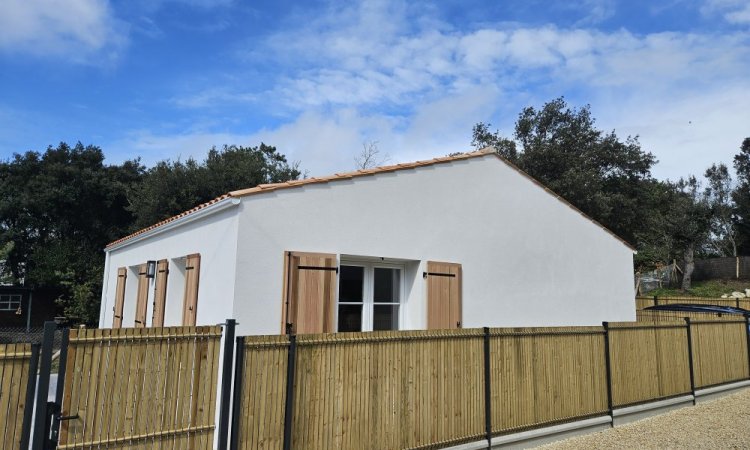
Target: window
(10,302)
(369,297)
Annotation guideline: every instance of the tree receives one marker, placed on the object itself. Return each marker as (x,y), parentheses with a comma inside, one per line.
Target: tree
(605,177)
(482,137)
(171,187)
(689,222)
(741,197)
(57,211)
(370,156)
(718,193)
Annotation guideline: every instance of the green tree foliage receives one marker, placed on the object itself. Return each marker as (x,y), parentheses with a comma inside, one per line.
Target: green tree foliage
(171,187)
(741,197)
(57,211)
(605,177)
(688,221)
(722,239)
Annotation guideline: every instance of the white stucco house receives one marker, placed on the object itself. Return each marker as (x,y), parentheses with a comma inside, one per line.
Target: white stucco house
(460,241)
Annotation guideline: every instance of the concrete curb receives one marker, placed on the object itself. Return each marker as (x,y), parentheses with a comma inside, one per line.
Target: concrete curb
(621,416)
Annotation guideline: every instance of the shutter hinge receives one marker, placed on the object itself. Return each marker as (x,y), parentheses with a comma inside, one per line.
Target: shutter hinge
(334,269)
(437,274)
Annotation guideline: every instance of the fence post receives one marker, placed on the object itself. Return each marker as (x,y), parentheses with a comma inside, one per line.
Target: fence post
(40,419)
(690,357)
(608,371)
(226,383)
(30,390)
(239,377)
(289,405)
(747,336)
(487,389)
(63,358)
(656,300)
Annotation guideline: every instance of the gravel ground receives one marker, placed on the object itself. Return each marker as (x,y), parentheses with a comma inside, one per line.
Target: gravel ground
(718,424)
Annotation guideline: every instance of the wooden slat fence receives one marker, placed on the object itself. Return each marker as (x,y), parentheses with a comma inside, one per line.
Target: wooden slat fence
(720,352)
(648,361)
(642,302)
(381,390)
(15,360)
(263,387)
(141,388)
(672,316)
(546,375)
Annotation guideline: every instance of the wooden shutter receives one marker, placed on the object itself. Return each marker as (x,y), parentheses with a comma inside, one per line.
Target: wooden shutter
(443,295)
(141,304)
(309,294)
(160,292)
(122,276)
(192,277)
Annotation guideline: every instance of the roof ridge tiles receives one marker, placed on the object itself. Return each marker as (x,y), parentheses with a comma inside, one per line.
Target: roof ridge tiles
(268,187)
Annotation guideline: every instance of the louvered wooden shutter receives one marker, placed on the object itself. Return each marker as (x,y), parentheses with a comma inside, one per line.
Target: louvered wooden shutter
(141,304)
(443,295)
(192,277)
(160,292)
(122,276)
(309,295)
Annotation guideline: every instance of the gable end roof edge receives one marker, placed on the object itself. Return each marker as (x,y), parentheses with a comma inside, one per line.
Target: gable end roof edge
(262,188)
(564,201)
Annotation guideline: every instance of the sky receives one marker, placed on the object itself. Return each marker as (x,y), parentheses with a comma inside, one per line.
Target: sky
(169,79)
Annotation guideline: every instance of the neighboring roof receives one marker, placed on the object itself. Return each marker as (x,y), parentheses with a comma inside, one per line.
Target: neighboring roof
(262,188)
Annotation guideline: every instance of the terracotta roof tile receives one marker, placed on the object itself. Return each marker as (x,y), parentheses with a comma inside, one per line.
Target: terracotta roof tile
(359,173)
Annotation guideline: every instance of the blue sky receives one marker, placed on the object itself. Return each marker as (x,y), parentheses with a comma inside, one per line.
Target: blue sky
(171,78)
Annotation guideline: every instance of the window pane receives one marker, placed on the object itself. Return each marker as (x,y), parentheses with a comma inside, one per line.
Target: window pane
(385,317)
(387,288)
(350,318)
(351,283)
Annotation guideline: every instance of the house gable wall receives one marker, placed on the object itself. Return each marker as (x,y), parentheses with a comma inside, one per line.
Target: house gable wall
(528,258)
(213,236)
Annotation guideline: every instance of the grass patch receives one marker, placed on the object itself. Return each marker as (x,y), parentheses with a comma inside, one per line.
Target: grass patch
(710,288)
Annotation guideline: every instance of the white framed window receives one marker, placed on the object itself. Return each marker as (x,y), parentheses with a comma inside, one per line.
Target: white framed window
(10,302)
(370,296)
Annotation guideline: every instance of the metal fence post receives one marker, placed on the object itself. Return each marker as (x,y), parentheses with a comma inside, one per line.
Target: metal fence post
(289,405)
(40,420)
(226,383)
(608,371)
(487,389)
(239,378)
(690,357)
(63,358)
(28,410)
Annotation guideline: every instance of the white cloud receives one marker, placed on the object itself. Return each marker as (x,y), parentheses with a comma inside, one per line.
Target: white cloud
(381,71)
(733,11)
(77,30)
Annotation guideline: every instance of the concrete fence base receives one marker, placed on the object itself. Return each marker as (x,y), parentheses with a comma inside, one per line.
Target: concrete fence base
(620,416)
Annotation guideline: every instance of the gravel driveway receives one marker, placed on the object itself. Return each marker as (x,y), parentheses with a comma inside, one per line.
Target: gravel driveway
(722,423)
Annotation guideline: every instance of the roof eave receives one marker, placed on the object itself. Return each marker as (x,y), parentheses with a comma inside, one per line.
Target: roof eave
(209,210)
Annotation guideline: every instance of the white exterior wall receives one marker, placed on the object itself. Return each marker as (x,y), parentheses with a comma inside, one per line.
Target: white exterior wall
(214,236)
(528,259)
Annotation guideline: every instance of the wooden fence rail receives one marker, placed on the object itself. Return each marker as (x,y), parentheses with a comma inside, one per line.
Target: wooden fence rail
(141,388)
(15,361)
